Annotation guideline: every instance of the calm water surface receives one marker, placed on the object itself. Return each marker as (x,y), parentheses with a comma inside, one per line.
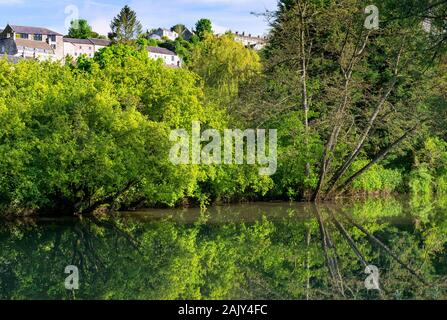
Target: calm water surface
(256,251)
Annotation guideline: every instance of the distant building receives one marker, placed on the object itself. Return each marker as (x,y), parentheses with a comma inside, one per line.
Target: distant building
(249,41)
(169,58)
(186,34)
(31,42)
(161,33)
(19,42)
(88,47)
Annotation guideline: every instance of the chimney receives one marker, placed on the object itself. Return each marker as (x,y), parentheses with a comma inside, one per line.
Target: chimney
(243,33)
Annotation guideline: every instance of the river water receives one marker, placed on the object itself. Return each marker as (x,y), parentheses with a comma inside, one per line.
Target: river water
(251,251)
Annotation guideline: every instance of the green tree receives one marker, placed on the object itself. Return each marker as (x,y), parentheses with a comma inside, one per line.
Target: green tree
(341,79)
(80,29)
(203,26)
(125,26)
(224,65)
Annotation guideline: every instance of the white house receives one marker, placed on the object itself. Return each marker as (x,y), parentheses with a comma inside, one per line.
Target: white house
(31,42)
(88,47)
(161,33)
(168,57)
(249,41)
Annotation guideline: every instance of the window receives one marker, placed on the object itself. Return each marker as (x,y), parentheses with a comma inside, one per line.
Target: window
(53,46)
(80,47)
(38,37)
(52,38)
(22,35)
(172,58)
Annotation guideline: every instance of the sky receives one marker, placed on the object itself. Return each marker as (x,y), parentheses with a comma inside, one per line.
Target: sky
(234,15)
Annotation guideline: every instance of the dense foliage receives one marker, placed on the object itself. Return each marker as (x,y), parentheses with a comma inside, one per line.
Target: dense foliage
(75,138)
(358,111)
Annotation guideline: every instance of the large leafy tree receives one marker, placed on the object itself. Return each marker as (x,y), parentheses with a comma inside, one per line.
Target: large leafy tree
(225,66)
(77,138)
(203,26)
(125,26)
(80,29)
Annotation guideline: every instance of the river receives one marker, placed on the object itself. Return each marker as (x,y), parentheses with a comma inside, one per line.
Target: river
(249,251)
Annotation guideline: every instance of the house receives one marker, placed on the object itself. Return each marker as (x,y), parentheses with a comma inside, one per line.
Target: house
(161,33)
(88,47)
(186,34)
(31,42)
(249,41)
(168,57)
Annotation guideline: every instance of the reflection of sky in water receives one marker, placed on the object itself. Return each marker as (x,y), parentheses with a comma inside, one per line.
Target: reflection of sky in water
(273,251)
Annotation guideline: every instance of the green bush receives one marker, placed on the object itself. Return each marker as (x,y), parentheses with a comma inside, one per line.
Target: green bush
(376,179)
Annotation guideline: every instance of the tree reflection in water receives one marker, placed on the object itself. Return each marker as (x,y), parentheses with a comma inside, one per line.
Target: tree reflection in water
(263,251)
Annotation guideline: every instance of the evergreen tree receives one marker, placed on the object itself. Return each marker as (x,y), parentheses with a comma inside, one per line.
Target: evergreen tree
(125,26)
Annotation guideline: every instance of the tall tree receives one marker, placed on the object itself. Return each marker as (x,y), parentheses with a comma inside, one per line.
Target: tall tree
(203,26)
(125,26)
(80,29)
(358,88)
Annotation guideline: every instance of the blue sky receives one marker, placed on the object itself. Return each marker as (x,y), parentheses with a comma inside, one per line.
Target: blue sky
(55,14)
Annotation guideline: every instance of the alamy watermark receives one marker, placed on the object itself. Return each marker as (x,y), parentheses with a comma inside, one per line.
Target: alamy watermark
(72,20)
(372,21)
(227,150)
(72,281)
(372,281)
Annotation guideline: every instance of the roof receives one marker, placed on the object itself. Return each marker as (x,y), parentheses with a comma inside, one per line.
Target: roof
(101,42)
(160,50)
(33,44)
(155,36)
(98,42)
(250,37)
(33,30)
(78,41)
(187,34)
